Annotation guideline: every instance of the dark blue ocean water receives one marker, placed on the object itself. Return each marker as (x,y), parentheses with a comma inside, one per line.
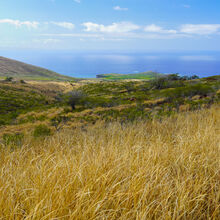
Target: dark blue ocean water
(88,64)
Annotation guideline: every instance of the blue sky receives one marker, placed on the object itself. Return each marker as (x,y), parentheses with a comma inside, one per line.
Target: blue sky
(110,24)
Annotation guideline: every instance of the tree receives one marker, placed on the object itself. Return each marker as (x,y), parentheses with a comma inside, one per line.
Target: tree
(194,77)
(158,83)
(173,77)
(9,79)
(22,81)
(74,98)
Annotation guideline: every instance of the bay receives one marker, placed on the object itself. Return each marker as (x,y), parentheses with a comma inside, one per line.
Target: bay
(87,64)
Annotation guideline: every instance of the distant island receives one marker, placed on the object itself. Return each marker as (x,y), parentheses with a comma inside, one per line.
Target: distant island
(143,76)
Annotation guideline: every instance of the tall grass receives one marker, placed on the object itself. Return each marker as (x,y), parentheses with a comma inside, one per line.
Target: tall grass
(146,170)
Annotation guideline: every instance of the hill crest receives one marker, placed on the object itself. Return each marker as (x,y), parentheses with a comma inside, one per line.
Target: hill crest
(21,70)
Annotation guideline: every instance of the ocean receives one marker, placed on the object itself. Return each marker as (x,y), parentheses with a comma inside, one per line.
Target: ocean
(87,64)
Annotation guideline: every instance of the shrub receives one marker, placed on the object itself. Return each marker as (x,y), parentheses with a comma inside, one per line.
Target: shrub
(41,131)
(194,77)
(66,109)
(22,81)
(13,139)
(166,82)
(173,77)
(2,122)
(8,79)
(190,91)
(59,121)
(159,83)
(129,87)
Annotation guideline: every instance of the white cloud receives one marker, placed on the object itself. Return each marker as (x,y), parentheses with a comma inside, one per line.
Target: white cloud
(200,29)
(17,23)
(187,6)
(66,25)
(47,41)
(77,1)
(157,29)
(80,35)
(121,27)
(186,29)
(118,8)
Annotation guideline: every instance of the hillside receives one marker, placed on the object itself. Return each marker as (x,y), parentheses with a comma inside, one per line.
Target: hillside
(115,76)
(137,149)
(20,70)
(103,100)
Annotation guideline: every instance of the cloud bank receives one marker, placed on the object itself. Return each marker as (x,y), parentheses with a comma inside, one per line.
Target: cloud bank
(121,27)
(117,30)
(18,23)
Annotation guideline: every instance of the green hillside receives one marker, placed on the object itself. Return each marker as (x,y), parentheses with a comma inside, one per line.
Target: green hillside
(144,76)
(19,70)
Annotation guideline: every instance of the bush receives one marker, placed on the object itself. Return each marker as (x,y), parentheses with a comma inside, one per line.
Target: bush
(166,82)
(2,122)
(159,83)
(190,91)
(194,77)
(41,131)
(9,79)
(67,109)
(13,139)
(173,77)
(22,81)
(59,121)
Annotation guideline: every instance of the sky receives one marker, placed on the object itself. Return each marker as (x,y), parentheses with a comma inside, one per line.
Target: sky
(110,24)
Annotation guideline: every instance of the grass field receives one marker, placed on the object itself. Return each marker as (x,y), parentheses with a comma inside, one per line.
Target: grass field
(17,98)
(123,150)
(24,105)
(155,169)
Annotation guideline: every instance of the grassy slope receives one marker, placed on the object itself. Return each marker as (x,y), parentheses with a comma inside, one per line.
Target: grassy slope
(166,168)
(147,170)
(108,101)
(144,76)
(16,69)
(17,98)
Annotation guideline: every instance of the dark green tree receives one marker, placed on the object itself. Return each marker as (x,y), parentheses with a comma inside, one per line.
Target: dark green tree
(75,97)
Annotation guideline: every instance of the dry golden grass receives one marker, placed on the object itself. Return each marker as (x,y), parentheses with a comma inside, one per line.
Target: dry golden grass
(148,170)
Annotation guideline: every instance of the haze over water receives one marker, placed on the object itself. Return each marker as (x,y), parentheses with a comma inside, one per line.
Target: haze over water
(89,64)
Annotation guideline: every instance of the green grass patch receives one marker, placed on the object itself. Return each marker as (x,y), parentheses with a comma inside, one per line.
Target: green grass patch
(143,76)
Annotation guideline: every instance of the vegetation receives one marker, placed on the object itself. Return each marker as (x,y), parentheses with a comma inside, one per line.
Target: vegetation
(18,98)
(104,149)
(74,98)
(109,101)
(8,79)
(13,140)
(143,76)
(41,131)
(155,169)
